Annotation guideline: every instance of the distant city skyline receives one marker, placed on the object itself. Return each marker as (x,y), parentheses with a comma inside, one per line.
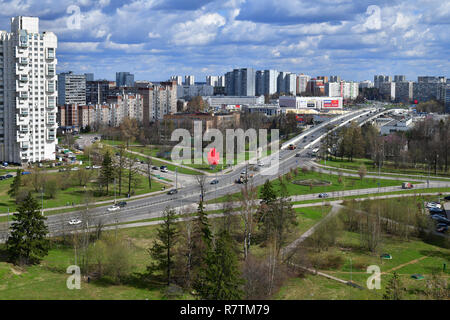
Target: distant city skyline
(157,39)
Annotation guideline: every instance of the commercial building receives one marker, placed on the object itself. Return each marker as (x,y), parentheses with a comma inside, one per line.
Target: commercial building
(300,104)
(240,82)
(71,88)
(28,92)
(267,109)
(124,79)
(396,126)
(220,101)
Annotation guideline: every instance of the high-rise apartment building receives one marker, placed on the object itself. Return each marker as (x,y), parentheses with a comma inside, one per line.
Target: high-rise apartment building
(335,79)
(379,79)
(89,76)
(403,91)
(158,100)
(189,80)
(124,79)
(302,83)
(97,91)
(177,79)
(240,82)
(388,89)
(399,78)
(71,88)
(27,92)
(266,82)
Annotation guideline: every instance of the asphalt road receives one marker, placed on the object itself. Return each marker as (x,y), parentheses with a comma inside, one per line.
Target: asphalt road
(189,194)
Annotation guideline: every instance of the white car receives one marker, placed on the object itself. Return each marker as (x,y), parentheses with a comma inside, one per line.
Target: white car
(96,167)
(433,205)
(113,208)
(75,169)
(74,221)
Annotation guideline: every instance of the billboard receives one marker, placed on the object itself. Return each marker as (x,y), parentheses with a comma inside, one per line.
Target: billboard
(331,103)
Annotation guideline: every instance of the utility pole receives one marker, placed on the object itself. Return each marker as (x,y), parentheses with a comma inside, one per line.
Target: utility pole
(176,178)
(42,199)
(114,190)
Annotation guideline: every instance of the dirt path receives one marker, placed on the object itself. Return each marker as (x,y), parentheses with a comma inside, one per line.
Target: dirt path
(405,264)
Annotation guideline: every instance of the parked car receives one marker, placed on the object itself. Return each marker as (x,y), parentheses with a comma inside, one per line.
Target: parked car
(122,204)
(74,221)
(323,195)
(164,170)
(8,176)
(96,167)
(447,198)
(436,211)
(173,191)
(442,229)
(26,172)
(75,169)
(113,208)
(215,181)
(154,168)
(440,218)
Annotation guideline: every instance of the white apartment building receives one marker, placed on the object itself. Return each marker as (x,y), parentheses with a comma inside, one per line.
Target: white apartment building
(178,79)
(344,89)
(302,82)
(27,92)
(189,80)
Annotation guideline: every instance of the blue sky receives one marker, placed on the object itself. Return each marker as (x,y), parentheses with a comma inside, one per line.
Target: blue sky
(157,38)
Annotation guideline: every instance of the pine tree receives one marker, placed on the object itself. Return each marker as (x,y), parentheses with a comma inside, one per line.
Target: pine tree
(393,288)
(163,249)
(16,184)
(201,241)
(268,195)
(107,171)
(27,242)
(219,278)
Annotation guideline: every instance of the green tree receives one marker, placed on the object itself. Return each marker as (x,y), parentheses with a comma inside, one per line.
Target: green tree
(15,185)
(201,240)
(162,251)
(107,171)
(394,288)
(27,242)
(362,171)
(220,278)
(268,194)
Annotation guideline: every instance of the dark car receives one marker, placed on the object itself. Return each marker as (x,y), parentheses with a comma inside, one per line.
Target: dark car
(2,178)
(447,198)
(8,176)
(215,181)
(154,168)
(122,204)
(440,219)
(323,195)
(442,228)
(436,211)
(173,191)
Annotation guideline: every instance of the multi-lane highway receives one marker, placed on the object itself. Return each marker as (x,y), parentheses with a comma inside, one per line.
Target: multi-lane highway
(189,194)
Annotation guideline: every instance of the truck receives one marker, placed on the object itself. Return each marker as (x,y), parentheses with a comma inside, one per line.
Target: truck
(407,185)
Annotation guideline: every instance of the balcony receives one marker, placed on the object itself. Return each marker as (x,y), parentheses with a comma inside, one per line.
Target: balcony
(23,78)
(50,71)
(23,95)
(51,102)
(23,61)
(50,54)
(50,87)
(21,120)
(24,145)
(23,129)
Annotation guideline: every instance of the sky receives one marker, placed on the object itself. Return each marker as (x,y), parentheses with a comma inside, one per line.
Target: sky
(155,39)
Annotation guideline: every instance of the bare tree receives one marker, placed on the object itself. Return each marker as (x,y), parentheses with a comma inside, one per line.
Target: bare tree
(248,210)
(201,180)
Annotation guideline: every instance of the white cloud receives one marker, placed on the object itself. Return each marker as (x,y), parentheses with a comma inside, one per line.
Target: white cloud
(199,31)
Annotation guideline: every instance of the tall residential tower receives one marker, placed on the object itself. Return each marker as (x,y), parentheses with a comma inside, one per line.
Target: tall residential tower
(27,92)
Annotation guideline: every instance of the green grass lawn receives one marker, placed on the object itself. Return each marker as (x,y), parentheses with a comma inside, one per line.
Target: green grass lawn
(348,183)
(408,257)
(48,280)
(75,194)
(388,167)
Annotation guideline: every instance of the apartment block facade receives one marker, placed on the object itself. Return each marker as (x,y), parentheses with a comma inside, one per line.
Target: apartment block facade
(27,92)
